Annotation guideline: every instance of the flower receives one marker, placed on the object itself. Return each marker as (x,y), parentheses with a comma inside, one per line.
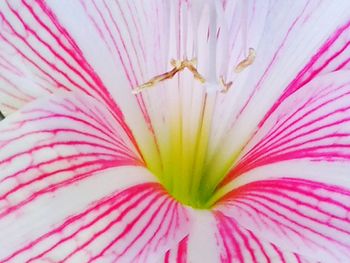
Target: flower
(235,147)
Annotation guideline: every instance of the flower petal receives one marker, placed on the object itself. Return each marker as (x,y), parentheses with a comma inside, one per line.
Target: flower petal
(113,215)
(310,124)
(54,142)
(306,137)
(40,56)
(222,239)
(59,184)
(241,245)
(297,215)
(17,85)
(44,48)
(126,38)
(301,40)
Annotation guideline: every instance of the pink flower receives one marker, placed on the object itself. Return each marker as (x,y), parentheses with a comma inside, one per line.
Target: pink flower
(235,147)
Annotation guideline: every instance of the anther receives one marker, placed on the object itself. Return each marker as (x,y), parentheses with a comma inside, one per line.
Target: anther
(225,85)
(177,67)
(191,65)
(246,62)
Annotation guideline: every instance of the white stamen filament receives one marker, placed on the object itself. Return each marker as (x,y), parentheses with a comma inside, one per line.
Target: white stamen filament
(211,73)
(213,55)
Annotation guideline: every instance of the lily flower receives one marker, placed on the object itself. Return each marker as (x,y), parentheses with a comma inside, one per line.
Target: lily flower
(174,131)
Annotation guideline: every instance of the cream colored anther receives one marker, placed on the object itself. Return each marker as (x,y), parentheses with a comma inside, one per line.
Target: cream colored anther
(178,65)
(246,62)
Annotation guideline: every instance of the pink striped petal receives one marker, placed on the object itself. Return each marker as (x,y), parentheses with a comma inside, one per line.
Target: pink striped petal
(312,124)
(111,216)
(238,244)
(223,239)
(54,142)
(177,253)
(60,186)
(310,130)
(296,215)
(39,56)
(301,40)
(17,85)
(44,49)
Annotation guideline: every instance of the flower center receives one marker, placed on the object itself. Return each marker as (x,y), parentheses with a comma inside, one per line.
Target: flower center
(187,175)
(184,167)
(190,169)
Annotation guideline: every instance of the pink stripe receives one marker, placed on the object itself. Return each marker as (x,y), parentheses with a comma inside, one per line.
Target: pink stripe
(128,228)
(309,71)
(111,203)
(181,256)
(131,197)
(102,147)
(311,214)
(309,126)
(238,244)
(78,66)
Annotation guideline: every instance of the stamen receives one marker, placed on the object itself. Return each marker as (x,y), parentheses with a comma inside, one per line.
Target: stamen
(246,62)
(191,65)
(225,85)
(177,67)
(155,80)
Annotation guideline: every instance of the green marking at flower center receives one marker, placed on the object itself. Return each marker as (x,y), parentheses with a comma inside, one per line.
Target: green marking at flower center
(187,174)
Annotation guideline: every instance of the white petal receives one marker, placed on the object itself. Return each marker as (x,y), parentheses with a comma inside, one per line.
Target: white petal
(301,40)
(302,216)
